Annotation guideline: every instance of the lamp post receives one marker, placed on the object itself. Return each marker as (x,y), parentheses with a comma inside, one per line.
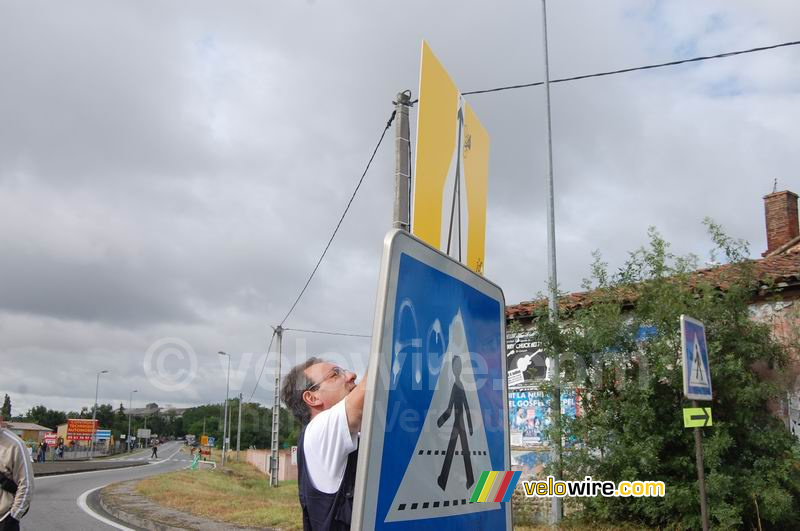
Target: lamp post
(94,413)
(130,406)
(225,418)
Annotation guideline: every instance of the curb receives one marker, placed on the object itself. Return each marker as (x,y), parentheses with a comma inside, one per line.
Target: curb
(125,490)
(78,471)
(129,518)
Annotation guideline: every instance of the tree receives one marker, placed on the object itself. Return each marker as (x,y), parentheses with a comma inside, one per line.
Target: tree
(631,427)
(43,416)
(5,411)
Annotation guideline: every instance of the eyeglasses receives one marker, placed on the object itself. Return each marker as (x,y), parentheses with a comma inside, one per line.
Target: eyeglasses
(335,373)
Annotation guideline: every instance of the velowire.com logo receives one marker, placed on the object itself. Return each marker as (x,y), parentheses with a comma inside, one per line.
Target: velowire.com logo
(495,486)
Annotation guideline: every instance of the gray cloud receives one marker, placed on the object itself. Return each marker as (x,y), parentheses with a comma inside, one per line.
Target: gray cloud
(176,171)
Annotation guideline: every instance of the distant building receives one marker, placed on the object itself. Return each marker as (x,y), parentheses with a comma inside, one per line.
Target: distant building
(28,431)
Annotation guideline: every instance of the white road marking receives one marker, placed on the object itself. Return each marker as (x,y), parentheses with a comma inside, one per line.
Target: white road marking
(85,508)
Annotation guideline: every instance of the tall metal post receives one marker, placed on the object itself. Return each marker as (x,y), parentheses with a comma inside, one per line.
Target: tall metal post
(276,413)
(402,173)
(239,429)
(94,415)
(130,406)
(552,280)
(225,412)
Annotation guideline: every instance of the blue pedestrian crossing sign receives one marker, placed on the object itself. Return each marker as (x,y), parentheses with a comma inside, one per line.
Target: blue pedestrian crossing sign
(696,368)
(435,414)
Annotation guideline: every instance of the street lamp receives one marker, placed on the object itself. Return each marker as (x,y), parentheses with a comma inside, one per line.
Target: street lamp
(130,406)
(225,419)
(94,413)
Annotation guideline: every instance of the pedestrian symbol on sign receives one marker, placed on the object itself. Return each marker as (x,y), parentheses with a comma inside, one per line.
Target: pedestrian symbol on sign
(698,376)
(459,406)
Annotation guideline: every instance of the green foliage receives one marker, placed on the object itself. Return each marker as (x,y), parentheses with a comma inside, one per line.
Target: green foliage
(632,424)
(46,417)
(5,411)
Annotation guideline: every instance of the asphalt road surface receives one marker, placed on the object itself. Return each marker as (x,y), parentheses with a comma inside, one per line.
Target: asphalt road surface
(65,501)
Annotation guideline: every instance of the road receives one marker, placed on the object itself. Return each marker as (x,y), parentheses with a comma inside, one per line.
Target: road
(57,499)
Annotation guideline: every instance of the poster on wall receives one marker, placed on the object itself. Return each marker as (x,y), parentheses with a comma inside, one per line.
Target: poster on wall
(529,414)
(526,359)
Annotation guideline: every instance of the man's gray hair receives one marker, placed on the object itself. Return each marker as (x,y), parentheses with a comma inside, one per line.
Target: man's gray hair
(294,385)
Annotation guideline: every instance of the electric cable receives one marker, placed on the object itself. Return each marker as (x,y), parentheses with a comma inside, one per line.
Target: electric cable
(326,332)
(258,380)
(637,68)
(339,224)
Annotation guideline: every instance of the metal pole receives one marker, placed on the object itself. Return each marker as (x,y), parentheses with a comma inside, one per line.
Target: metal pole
(130,406)
(239,429)
(701,474)
(276,414)
(402,162)
(94,414)
(225,413)
(555,401)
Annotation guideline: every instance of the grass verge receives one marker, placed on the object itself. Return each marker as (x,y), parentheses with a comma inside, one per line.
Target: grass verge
(239,495)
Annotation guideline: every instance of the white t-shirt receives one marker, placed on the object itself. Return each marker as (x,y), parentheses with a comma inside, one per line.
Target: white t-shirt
(327,444)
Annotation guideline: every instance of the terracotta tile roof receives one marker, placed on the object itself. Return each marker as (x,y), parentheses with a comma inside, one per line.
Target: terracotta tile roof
(780,270)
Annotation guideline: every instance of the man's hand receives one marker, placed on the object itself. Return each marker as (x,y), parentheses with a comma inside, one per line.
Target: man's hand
(354,405)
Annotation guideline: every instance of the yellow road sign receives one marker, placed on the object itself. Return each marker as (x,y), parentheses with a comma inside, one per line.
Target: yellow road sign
(451,179)
(204,440)
(696,417)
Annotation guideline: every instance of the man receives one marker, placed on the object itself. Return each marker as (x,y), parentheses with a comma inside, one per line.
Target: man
(154,454)
(16,479)
(328,404)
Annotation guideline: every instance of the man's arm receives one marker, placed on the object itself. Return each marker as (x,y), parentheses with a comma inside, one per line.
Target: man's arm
(23,475)
(354,405)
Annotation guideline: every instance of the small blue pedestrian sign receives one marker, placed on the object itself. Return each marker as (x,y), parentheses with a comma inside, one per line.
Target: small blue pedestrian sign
(696,368)
(212,441)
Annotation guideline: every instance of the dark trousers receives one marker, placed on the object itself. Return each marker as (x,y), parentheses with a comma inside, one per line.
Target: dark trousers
(9,524)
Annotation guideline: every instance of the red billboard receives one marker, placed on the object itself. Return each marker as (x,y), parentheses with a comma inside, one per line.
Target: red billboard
(81,429)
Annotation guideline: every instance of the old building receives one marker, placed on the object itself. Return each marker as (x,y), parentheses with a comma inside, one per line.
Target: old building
(776,302)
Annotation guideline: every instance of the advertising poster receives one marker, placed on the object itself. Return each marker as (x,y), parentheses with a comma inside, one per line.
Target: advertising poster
(81,429)
(529,414)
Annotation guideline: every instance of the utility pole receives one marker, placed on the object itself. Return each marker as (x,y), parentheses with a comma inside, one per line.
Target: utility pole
(276,414)
(239,429)
(552,280)
(402,173)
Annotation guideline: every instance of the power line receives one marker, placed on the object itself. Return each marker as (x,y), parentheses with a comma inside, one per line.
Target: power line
(326,333)
(637,68)
(262,367)
(339,224)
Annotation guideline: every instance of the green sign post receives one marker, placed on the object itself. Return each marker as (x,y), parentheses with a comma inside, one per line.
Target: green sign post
(696,386)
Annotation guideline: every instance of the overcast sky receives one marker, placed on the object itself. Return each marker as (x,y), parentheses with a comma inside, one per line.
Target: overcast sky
(174,169)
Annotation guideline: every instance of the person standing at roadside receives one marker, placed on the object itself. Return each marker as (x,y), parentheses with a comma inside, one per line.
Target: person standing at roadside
(328,404)
(154,455)
(16,479)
